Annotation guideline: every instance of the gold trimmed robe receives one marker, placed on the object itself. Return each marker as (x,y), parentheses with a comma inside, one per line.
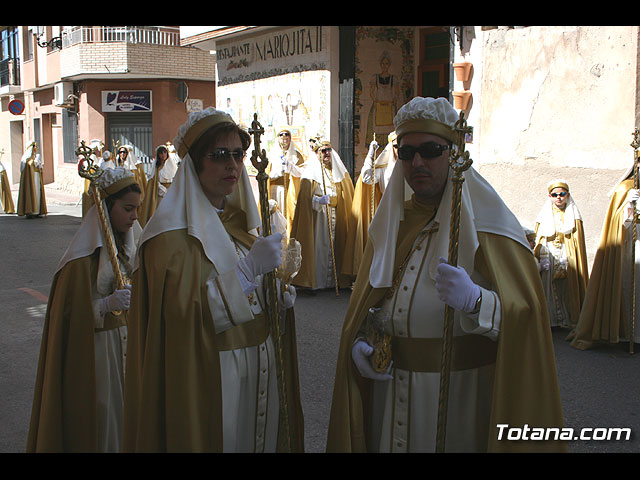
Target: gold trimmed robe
(303,230)
(603,318)
(525,386)
(173,396)
(28,196)
(5,193)
(577,271)
(64,416)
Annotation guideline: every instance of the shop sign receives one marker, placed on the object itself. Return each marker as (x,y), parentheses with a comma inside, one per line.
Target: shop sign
(126,100)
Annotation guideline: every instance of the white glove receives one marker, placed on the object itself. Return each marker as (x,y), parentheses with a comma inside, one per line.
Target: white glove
(323,200)
(117,301)
(264,256)
(368,160)
(287,298)
(545,264)
(360,354)
(633,195)
(455,287)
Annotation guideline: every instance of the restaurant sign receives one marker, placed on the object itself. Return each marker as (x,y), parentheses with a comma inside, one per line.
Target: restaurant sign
(279,52)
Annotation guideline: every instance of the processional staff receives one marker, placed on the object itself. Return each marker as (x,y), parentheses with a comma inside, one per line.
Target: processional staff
(89,170)
(260,162)
(459,161)
(373,185)
(634,221)
(331,246)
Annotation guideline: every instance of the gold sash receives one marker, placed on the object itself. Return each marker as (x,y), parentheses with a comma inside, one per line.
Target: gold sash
(424,354)
(248,334)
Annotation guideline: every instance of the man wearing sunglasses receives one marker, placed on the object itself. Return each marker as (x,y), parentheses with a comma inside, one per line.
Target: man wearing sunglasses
(284,170)
(503,366)
(560,247)
(321,221)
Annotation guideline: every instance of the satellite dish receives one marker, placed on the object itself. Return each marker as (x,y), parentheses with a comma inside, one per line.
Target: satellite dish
(183,92)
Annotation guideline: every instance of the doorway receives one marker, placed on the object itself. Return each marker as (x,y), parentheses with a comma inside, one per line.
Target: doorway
(132,129)
(434,69)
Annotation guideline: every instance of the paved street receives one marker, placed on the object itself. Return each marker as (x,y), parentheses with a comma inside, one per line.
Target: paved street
(600,388)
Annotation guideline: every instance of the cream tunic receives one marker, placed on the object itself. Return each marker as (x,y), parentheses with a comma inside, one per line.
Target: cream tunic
(250,405)
(405,409)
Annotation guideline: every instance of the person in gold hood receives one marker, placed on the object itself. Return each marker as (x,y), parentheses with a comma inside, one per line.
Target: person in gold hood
(503,366)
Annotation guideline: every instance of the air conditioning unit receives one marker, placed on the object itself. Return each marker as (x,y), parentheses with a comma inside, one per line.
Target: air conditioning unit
(63,92)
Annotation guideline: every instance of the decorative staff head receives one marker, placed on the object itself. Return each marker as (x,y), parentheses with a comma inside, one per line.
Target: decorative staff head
(86,166)
(636,139)
(459,160)
(257,131)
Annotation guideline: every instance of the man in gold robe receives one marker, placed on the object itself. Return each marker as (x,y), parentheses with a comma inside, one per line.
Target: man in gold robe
(503,367)
(284,171)
(321,221)
(32,202)
(560,241)
(606,311)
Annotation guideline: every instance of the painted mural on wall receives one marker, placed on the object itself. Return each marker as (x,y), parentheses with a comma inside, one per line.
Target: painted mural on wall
(296,101)
(384,82)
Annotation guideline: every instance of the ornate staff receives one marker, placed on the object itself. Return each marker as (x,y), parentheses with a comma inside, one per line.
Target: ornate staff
(373,185)
(459,161)
(89,170)
(333,255)
(634,221)
(269,278)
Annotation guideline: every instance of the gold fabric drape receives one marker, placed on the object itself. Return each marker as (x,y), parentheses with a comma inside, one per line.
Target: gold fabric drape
(64,411)
(602,316)
(5,193)
(577,269)
(303,230)
(27,198)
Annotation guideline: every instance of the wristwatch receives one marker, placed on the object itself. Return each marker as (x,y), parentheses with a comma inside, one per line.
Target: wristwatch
(476,309)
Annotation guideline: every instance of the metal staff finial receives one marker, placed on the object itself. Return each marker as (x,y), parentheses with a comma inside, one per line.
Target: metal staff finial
(89,170)
(459,162)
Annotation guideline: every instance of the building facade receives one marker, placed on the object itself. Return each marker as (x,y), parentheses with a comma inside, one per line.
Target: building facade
(132,85)
(544,102)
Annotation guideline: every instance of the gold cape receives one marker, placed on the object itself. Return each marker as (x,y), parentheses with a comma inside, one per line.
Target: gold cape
(27,198)
(5,193)
(303,230)
(64,413)
(602,316)
(173,398)
(361,216)
(149,200)
(525,387)
(577,269)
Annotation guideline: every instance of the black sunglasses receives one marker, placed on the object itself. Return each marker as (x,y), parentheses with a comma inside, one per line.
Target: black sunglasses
(326,150)
(224,154)
(426,150)
(561,194)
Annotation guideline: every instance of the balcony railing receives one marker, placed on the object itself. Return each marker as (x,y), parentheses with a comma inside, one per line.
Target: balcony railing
(9,72)
(149,35)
